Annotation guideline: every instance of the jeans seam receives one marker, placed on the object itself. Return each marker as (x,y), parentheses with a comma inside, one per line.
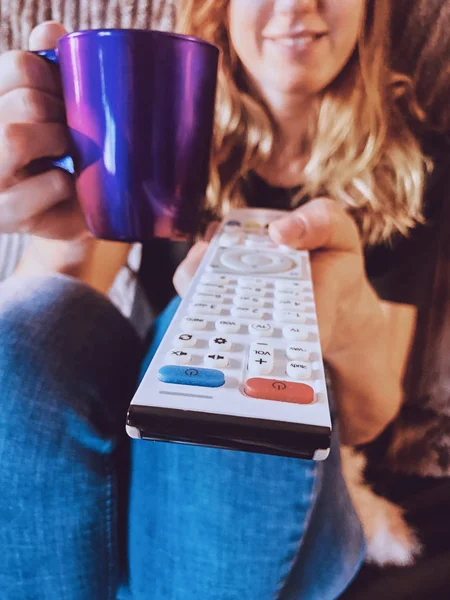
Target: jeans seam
(318,475)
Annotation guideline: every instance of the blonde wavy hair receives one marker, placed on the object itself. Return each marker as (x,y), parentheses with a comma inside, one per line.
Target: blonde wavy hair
(360,150)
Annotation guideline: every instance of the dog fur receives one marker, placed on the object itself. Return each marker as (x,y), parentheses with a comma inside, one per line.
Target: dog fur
(390,540)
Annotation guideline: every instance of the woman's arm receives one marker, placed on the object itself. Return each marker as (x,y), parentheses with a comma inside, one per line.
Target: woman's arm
(95,262)
(368,376)
(365,341)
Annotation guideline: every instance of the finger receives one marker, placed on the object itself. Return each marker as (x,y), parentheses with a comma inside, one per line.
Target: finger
(186,271)
(321,223)
(28,105)
(23,69)
(46,35)
(21,143)
(32,196)
(211,230)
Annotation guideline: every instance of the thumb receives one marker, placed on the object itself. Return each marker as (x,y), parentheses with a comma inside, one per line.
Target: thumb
(45,36)
(320,223)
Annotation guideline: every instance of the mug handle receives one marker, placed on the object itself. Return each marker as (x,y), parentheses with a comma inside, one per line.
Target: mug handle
(45,164)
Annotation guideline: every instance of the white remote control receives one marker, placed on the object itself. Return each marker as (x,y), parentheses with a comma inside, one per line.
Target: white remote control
(240,366)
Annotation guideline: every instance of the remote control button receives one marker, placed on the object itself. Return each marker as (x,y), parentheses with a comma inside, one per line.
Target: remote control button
(179,357)
(207,297)
(249,313)
(252,281)
(220,343)
(295,333)
(252,225)
(288,316)
(215,278)
(233,223)
(247,261)
(295,274)
(227,326)
(261,358)
(211,288)
(216,361)
(248,301)
(249,289)
(294,305)
(289,286)
(261,329)
(257,236)
(289,295)
(191,376)
(201,308)
(194,323)
(281,391)
(298,370)
(296,352)
(256,260)
(185,340)
(286,249)
(259,242)
(230,239)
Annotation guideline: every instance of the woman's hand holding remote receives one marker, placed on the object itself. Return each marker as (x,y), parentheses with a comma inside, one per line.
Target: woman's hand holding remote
(353,326)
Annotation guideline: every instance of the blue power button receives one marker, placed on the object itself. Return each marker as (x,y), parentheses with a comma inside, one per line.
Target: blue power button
(191,376)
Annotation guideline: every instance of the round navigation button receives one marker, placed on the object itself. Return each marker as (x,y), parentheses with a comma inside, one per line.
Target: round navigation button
(256,260)
(248,261)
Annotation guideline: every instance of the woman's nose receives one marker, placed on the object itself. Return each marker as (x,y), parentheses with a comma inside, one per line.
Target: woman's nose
(290,6)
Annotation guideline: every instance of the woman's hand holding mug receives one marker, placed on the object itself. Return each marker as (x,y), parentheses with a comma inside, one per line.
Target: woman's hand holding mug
(139,107)
(32,127)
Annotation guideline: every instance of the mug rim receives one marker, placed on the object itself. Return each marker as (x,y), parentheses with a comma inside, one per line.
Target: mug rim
(125,31)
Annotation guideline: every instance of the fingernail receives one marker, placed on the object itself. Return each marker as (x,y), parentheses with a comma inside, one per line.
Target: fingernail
(289,229)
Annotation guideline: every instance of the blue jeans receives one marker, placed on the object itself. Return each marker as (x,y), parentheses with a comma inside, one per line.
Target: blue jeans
(86,514)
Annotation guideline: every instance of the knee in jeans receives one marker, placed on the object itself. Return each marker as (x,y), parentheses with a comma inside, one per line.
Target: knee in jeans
(39,300)
(61,335)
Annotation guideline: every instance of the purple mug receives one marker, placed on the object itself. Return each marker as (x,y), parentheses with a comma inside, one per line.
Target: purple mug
(140,109)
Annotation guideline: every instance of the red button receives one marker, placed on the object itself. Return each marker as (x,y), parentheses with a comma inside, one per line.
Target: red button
(283,391)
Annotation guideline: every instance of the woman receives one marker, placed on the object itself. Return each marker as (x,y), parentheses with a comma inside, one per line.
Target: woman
(306,111)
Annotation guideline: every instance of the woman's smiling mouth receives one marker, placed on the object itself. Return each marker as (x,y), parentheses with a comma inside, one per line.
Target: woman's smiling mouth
(296,41)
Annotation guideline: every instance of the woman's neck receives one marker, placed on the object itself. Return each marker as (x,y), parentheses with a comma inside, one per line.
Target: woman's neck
(292,114)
